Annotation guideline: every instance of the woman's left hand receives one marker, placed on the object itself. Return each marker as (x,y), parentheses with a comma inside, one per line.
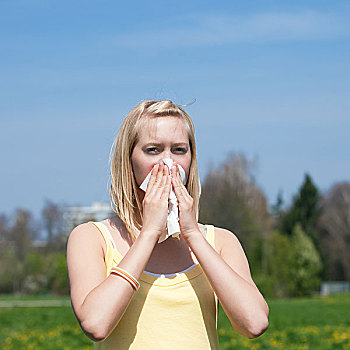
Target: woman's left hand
(187,214)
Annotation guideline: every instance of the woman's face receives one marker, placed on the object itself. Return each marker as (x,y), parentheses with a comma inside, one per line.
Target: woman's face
(159,138)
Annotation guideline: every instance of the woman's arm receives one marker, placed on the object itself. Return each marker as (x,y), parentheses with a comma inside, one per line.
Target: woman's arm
(228,272)
(230,278)
(99,302)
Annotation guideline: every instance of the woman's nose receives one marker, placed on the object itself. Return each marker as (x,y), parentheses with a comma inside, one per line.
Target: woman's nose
(167,154)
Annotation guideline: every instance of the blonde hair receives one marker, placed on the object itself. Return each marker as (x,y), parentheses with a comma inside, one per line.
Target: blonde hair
(123,190)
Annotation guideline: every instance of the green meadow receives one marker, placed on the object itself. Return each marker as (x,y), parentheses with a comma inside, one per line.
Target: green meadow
(310,323)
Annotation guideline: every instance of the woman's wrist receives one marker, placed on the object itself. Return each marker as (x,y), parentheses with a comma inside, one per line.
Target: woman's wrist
(149,235)
(192,236)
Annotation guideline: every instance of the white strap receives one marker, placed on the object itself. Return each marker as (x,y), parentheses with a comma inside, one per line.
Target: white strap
(104,227)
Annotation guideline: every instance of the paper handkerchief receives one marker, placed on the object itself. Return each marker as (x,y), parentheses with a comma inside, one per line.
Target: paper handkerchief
(173,227)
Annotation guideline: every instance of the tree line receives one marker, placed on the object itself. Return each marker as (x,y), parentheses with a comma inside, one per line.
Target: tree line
(27,263)
(291,249)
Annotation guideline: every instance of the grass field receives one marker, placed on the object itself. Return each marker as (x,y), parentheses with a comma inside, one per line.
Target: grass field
(315,323)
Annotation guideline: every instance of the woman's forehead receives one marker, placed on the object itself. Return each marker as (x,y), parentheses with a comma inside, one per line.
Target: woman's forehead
(168,127)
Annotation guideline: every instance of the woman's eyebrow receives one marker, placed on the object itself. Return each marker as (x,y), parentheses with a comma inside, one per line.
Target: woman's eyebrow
(180,144)
(176,144)
(152,144)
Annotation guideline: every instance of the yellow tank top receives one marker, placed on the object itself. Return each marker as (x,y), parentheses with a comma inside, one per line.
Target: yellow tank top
(177,311)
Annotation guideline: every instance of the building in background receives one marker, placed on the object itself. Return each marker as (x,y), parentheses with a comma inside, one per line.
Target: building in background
(334,287)
(73,216)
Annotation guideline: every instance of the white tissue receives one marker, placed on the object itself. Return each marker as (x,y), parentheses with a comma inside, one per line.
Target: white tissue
(173,227)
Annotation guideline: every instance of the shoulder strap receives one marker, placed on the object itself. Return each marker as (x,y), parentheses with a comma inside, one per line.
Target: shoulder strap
(108,238)
(209,231)
(105,233)
(112,255)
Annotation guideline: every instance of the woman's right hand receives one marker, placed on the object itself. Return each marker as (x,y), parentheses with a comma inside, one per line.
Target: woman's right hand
(155,202)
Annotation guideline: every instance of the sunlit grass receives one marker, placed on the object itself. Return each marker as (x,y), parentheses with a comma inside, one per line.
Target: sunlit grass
(303,324)
(41,328)
(312,323)
(295,338)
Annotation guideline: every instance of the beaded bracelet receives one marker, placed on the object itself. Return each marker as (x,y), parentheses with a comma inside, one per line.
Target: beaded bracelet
(126,275)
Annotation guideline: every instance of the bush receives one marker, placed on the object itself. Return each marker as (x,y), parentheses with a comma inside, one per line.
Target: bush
(306,268)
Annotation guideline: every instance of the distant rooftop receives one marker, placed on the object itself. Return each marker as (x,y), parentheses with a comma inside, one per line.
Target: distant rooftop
(76,215)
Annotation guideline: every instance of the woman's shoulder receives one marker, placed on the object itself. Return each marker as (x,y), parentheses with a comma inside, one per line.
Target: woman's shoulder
(85,230)
(229,247)
(83,234)
(90,228)
(93,235)
(224,238)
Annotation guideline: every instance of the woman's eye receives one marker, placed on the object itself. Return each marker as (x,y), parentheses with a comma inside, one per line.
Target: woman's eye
(152,150)
(180,150)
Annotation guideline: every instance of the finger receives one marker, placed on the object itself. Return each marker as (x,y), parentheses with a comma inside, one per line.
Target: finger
(167,188)
(159,174)
(173,170)
(181,184)
(153,176)
(155,184)
(178,178)
(173,176)
(180,189)
(177,188)
(159,182)
(163,180)
(179,175)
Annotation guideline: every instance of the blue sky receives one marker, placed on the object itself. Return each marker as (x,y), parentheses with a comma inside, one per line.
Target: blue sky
(271,79)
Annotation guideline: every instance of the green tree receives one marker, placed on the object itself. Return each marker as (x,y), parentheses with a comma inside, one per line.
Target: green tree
(276,281)
(36,270)
(4,231)
(306,264)
(60,283)
(8,266)
(276,211)
(304,210)
(21,235)
(280,261)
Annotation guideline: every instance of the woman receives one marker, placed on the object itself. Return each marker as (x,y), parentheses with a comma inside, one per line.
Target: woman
(180,279)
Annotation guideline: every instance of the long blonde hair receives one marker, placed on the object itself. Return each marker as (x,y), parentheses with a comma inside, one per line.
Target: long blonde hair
(123,190)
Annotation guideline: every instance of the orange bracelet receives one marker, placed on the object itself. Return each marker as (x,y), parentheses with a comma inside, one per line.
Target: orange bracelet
(126,275)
